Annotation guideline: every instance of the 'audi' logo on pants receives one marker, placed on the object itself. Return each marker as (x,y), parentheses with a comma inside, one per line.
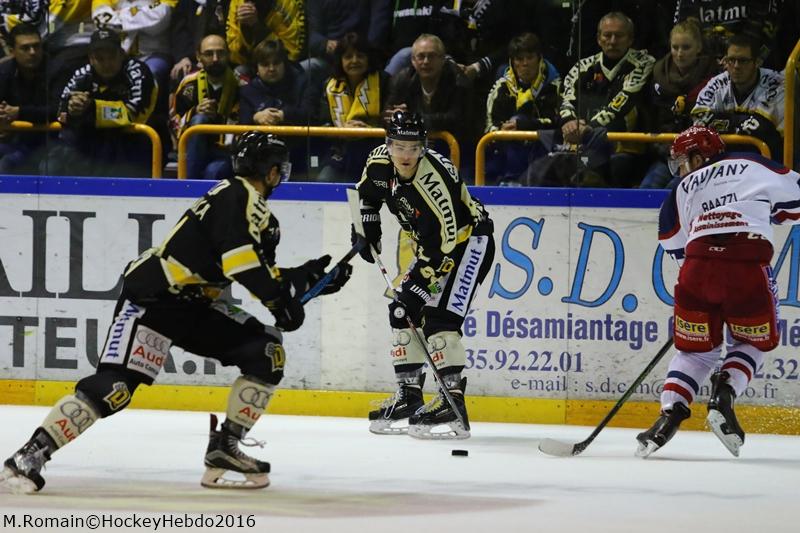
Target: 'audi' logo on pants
(79,416)
(153,340)
(255,397)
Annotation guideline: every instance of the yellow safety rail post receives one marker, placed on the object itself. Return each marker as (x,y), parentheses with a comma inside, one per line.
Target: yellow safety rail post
(789,103)
(480,150)
(155,140)
(298,131)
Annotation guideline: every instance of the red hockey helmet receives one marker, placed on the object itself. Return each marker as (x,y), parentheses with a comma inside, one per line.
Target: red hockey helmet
(696,139)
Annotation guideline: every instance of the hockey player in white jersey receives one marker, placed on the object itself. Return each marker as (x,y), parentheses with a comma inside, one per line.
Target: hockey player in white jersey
(717,224)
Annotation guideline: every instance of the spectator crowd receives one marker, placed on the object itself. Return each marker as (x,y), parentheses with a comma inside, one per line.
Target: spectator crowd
(573,72)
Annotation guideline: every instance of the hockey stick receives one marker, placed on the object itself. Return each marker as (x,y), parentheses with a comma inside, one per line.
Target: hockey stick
(355,211)
(565,449)
(324,280)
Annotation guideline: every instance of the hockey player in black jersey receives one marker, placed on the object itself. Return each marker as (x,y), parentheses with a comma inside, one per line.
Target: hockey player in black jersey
(454,251)
(170,297)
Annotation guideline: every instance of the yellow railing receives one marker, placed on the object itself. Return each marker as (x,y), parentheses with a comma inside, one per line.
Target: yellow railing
(298,131)
(155,140)
(480,150)
(789,116)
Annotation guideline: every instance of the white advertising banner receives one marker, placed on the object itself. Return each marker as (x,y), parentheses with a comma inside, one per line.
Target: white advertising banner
(576,304)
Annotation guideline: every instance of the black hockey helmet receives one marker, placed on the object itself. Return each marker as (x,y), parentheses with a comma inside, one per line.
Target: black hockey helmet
(406,126)
(257,152)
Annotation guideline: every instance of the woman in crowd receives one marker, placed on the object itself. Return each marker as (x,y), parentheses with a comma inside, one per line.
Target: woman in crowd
(677,79)
(352,98)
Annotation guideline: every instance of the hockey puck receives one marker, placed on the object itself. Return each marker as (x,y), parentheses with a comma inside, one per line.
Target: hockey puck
(459,453)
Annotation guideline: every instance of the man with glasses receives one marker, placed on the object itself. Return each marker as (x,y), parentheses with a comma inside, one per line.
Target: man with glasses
(745,99)
(432,87)
(454,251)
(208,96)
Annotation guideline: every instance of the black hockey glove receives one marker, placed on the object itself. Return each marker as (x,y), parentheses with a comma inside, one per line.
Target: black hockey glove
(288,311)
(411,298)
(342,276)
(371,220)
(314,270)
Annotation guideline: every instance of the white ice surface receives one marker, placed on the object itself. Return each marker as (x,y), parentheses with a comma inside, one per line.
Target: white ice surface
(332,475)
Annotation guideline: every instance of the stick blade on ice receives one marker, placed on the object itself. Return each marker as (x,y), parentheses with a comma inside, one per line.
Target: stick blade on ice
(556,448)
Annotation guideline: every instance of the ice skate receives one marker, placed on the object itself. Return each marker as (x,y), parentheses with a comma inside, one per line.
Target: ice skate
(22,471)
(223,456)
(437,420)
(663,430)
(391,417)
(721,418)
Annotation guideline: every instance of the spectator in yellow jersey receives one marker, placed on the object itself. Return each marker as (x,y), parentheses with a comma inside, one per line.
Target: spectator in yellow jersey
(109,93)
(252,21)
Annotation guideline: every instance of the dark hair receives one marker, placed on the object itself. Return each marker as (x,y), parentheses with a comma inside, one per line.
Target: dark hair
(745,41)
(269,50)
(23,28)
(524,43)
(359,43)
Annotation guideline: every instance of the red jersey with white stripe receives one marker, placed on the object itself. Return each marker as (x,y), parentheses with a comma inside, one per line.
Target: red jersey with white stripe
(730,194)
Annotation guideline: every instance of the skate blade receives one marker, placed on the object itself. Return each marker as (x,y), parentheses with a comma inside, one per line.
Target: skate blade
(15,483)
(453,431)
(732,442)
(214,478)
(645,450)
(384,426)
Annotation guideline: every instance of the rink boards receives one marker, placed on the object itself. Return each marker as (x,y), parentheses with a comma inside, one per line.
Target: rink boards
(577,302)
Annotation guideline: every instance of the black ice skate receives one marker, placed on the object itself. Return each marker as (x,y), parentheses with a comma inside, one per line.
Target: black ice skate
(663,430)
(22,471)
(427,422)
(721,418)
(223,455)
(391,418)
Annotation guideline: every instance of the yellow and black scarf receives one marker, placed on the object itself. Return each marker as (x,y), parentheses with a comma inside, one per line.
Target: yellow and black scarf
(524,96)
(364,104)
(230,90)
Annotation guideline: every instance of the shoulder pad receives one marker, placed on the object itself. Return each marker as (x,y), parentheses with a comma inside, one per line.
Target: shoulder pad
(379,155)
(448,165)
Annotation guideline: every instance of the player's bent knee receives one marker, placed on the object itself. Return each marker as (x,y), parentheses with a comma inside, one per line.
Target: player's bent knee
(264,360)
(447,350)
(108,391)
(406,347)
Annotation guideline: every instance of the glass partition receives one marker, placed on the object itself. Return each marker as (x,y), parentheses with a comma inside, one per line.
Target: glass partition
(108,90)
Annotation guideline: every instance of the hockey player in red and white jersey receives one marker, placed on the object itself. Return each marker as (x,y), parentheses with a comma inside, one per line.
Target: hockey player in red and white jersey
(717,224)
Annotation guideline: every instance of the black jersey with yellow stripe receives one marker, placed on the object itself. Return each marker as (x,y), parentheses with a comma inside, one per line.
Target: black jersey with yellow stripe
(434,207)
(227,235)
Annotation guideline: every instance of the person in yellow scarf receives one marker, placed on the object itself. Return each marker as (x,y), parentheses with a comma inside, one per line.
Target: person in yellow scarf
(352,98)
(208,96)
(524,98)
